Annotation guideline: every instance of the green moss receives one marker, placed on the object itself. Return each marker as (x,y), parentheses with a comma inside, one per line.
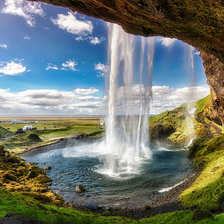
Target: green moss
(207,191)
(169,126)
(201,104)
(157,117)
(176,119)
(15,202)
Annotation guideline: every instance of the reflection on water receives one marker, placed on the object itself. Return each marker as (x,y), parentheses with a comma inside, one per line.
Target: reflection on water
(78,164)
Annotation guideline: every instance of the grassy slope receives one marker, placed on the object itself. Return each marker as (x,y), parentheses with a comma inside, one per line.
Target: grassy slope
(176,120)
(207,191)
(4,132)
(207,154)
(14,202)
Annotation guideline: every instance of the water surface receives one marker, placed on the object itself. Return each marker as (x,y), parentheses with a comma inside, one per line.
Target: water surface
(80,163)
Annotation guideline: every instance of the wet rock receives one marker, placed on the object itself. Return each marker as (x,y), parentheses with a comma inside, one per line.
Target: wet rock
(82,135)
(147,207)
(48,168)
(79,188)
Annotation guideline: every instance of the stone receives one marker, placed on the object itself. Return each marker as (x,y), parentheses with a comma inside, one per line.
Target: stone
(80,188)
(48,168)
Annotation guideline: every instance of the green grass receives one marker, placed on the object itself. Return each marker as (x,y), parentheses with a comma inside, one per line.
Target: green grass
(157,117)
(207,191)
(49,131)
(4,132)
(177,120)
(18,203)
(201,104)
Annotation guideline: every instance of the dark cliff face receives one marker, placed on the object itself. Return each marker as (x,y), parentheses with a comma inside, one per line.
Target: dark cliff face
(214,70)
(199,23)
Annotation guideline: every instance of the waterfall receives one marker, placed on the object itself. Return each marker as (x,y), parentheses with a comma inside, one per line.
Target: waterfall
(190,108)
(128,94)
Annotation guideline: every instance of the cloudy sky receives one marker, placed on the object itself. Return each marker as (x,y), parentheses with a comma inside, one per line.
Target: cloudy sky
(53,62)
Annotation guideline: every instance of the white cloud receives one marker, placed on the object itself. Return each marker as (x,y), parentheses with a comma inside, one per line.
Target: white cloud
(91,39)
(101,69)
(85,102)
(72,25)
(27,10)
(80,38)
(87,98)
(95,41)
(167,42)
(3,46)
(86,91)
(69,65)
(51,67)
(27,38)
(49,101)
(12,68)
(166,98)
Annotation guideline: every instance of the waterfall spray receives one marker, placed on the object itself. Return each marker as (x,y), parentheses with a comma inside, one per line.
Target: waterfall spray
(190,108)
(129,90)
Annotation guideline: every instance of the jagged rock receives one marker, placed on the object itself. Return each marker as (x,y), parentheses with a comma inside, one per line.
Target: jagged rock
(80,188)
(48,168)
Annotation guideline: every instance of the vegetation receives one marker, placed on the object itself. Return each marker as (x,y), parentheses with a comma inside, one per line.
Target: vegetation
(48,131)
(24,186)
(207,191)
(17,175)
(169,126)
(16,202)
(206,153)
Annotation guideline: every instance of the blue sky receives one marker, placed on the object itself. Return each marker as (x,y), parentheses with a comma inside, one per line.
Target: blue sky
(52,61)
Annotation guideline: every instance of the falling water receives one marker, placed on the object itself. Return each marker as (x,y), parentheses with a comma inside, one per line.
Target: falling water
(190,109)
(128,96)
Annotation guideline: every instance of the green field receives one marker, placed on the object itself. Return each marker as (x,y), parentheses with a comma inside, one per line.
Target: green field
(49,130)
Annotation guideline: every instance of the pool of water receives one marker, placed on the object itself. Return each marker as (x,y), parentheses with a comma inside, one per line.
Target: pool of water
(79,163)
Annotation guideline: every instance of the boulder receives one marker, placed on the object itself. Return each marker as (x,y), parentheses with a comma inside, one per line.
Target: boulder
(48,168)
(79,188)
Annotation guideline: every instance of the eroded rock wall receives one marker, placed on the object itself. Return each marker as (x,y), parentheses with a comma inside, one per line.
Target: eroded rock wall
(214,70)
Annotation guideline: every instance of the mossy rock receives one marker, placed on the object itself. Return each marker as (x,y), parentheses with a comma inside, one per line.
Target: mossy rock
(34,138)
(195,147)
(200,214)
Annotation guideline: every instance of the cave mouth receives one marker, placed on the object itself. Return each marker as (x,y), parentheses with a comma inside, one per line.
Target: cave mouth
(66,166)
